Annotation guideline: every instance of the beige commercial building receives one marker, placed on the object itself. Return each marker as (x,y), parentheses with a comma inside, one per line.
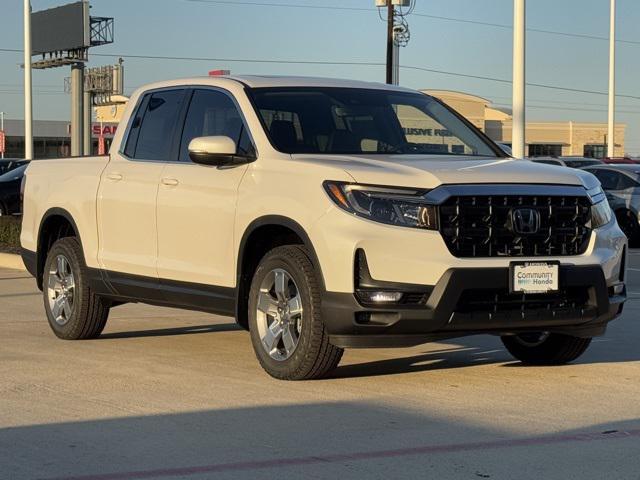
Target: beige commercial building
(542,138)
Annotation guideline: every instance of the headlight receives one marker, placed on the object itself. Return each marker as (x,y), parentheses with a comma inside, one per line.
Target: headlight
(601,214)
(393,206)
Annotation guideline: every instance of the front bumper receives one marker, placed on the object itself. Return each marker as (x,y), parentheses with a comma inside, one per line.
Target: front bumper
(444,314)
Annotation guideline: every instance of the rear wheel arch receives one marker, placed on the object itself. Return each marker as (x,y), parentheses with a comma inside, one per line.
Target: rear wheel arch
(56,223)
(261,236)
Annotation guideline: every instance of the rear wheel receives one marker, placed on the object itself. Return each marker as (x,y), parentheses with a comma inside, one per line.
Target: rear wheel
(73,310)
(287,331)
(543,348)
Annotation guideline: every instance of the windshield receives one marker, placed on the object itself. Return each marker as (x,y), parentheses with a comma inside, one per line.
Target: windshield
(362,121)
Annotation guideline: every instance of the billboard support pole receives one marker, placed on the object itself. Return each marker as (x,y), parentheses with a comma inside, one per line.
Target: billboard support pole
(28,90)
(77,88)
(86,134)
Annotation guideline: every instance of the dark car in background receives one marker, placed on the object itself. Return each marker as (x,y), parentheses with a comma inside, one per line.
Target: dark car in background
(8,164)
(10,182)
(572,162)
(621,183)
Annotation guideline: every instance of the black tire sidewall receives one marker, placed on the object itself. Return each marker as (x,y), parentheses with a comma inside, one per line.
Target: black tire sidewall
(294,365)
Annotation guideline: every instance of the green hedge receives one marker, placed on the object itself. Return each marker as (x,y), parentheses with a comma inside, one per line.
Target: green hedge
(10,234)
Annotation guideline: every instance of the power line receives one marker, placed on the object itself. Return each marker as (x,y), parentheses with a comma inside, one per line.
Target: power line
(415,14)
(362,63)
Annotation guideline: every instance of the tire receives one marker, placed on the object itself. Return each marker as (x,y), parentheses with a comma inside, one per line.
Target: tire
(307,354)
(545,348)
(629,225)
(79,314)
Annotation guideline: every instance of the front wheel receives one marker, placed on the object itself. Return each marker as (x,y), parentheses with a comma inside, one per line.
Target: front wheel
(543,348)
(287,332)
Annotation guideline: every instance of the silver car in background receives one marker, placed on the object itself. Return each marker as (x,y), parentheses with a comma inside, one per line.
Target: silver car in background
(621,184)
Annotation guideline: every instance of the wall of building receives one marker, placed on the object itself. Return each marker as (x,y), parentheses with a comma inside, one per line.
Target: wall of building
(563,138)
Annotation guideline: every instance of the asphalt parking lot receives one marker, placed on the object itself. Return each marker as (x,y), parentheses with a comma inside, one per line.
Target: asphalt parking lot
(169,394)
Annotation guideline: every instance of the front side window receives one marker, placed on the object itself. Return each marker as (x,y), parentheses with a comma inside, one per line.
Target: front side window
(362,121)
(212,113)
(157,126)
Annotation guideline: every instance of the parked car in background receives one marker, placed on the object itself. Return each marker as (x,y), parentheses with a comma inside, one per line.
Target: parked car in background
(8,164)
(621,184)
(572,162)
(621,160)
(10,181)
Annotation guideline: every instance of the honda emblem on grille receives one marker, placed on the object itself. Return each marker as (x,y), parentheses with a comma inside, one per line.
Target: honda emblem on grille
(525,221)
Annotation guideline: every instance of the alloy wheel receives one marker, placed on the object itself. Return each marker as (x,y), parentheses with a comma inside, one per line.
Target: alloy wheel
(279,314)
(61,290)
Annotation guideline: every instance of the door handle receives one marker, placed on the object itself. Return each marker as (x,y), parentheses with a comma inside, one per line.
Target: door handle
(171,182)
(116,177)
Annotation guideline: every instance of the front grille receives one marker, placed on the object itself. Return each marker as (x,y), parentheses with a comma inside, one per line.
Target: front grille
(502,301)
(480,226)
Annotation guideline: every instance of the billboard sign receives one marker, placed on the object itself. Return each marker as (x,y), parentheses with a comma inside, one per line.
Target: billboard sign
(61,29)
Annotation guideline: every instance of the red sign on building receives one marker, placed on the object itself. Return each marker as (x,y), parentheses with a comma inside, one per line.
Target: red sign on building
(3,142)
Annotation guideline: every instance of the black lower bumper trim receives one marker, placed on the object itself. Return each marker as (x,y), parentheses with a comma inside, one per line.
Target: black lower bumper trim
(351,324)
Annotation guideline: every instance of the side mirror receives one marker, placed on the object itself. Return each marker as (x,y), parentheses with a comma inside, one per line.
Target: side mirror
(216,151)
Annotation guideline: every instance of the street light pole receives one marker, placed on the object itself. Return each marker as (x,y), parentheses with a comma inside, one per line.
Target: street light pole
(28,90)
(611,143)
(390,42)
(519,78)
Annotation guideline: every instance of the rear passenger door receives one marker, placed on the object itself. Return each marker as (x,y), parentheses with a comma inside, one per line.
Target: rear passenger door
(197,203)
(128,191)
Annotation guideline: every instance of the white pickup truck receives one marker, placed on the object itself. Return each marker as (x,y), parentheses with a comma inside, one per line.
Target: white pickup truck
(323,215)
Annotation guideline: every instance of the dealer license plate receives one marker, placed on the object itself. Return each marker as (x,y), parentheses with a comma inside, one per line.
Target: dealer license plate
(535,277)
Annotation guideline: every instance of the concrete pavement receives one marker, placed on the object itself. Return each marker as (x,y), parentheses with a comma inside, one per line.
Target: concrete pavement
(173,394)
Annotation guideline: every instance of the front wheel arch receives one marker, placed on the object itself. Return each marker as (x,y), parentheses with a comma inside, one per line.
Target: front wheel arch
(261,236)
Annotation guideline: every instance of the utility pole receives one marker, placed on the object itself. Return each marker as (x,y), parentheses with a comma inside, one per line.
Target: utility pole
(390,42)
(611,143)
(28,90)
(519,78)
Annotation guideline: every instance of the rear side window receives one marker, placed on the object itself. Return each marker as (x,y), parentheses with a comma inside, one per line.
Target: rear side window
(212,113)
(156,127)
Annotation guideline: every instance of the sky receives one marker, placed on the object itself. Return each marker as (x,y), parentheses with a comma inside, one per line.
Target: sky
(242,30)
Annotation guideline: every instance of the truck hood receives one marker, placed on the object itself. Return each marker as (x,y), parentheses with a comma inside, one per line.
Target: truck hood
(431,171)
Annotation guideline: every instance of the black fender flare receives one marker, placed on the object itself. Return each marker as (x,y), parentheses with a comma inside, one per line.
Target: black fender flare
(52,212)
(281,221)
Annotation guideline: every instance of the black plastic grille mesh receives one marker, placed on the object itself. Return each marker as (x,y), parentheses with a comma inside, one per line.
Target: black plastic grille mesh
(497,300)
(480,226)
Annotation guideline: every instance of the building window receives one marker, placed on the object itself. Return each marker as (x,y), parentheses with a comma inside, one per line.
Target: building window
(595,151)
(545,150)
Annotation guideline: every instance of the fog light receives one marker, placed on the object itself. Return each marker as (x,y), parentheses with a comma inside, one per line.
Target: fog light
(380,297)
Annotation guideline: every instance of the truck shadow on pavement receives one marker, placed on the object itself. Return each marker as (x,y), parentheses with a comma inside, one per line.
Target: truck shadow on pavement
(314,440)
(165,332)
